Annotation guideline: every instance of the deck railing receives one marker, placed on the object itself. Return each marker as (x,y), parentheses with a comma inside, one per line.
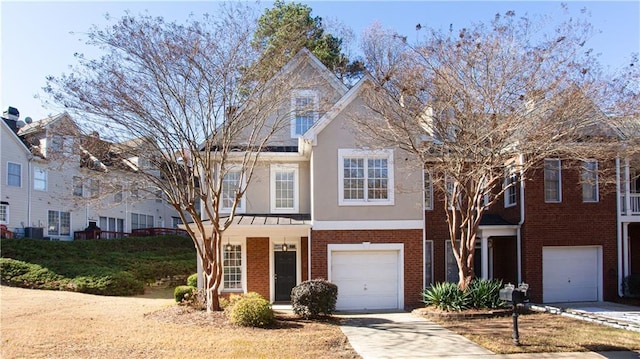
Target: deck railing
(141,232)
(634,204)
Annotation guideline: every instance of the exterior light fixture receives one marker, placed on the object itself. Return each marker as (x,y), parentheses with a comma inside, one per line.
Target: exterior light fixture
(228,247)
(284,245)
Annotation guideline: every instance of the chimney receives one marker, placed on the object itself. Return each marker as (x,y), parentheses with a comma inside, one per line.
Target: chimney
(10,117)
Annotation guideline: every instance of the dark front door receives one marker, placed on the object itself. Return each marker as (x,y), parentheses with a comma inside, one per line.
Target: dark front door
(285,270)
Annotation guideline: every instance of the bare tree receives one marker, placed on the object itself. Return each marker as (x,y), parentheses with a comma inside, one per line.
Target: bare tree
(184,93)
(487,103)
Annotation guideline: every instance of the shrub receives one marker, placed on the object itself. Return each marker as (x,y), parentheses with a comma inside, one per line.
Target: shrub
(252,311)
(183,291)
(631,286)
(27,275)
(314,297)
(120,283)
(446,296)
(485,293)
(192,280)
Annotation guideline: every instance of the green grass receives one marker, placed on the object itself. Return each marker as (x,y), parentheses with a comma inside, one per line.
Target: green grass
(108,267)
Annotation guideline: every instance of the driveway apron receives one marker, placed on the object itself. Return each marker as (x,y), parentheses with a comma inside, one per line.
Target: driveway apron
(404,335)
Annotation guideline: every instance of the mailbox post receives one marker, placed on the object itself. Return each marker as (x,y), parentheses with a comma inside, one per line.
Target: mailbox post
(515,296)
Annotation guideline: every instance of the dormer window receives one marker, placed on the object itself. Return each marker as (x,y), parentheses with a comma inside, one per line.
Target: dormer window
(304,110)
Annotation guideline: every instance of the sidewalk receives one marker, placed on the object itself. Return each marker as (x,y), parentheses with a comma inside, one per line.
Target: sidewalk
(404,335)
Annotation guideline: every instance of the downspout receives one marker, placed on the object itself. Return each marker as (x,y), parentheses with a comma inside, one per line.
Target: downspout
(618,228)
(29,189)
(520,223)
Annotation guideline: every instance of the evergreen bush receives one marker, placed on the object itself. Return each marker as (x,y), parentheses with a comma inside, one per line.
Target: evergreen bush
(252,310)
(314,297)
(183,291)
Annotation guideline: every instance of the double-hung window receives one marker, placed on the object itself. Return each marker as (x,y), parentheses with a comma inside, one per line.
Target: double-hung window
(304,109)
(141,221)
(428,191)
(552,181)
(77,186)
(4,212)
(232,267)
(510,181)
(366,177)
(231,183)
(14,174)
(590,181)
(284,188)
(39,179)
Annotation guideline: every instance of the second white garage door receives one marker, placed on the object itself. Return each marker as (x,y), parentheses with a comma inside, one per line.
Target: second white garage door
(571,274)
(366,279)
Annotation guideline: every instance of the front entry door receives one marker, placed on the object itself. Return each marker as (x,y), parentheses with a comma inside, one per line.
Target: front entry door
(285,274)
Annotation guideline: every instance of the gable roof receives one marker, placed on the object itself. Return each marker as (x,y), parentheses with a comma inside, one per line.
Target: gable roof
(43,124)
(305,54)
(336,109)
(14,137)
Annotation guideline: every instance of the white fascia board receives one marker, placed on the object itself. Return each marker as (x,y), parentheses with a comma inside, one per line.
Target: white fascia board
(364,225)
(312,133)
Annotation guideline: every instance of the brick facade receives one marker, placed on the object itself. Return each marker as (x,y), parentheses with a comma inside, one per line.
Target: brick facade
(258,266)
(413,255)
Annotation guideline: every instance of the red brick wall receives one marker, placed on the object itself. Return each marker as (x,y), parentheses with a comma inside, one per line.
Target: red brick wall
(569,223)
(413,265)
(634,247)
(304,257)
(258,266)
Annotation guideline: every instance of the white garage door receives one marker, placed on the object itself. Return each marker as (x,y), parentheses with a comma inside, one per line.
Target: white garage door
(367,279)
(570,274)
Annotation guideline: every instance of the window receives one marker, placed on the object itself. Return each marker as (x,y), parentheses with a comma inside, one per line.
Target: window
(94,188)
(4,212)
(284,188)
(428,264)
(552,181)
(590,181)
(510,193)
(451,264)
(175,222)
(232,267)
(117,197)
(111,224)
(428,190)
(39,179)
(450,186)
(141,221)
(304,106)
(158,196)
(135,192)
(366,177)
(14,174)
(77,186)
(59,223)
(230,185)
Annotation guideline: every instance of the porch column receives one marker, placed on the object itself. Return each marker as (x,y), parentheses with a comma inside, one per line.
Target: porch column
(625,250)
(627,188)
(484,251)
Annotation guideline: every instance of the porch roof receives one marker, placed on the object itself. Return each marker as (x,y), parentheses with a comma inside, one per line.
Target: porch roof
(268,225)
(493,225)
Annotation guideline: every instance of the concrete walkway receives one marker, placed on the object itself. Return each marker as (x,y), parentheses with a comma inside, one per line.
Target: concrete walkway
(404,335)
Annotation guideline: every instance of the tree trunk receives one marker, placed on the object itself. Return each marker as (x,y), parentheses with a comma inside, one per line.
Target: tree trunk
(211,285)
(465,275)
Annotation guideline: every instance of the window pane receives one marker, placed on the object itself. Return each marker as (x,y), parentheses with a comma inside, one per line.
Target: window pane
(77,186)
(590,181)
(229,187)
(377,178)
(428,191)
(65,223)
(4,213)
(552,180)
(285,189)
(353,178)
(232,267)
(54,224)
(452,265)
(14,174)
(39,179)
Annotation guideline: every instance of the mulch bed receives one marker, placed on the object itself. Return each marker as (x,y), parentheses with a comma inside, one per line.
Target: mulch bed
(433,312)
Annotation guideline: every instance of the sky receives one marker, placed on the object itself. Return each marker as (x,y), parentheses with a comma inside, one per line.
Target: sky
(39,38)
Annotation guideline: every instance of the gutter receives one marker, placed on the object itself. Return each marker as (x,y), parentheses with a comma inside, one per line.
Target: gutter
(520,223)
(619,229)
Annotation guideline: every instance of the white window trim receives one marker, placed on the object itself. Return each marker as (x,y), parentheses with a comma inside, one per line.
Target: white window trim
(302,93)
(427,206)
(366,154)
(242,242)
(559,200)
(6,208)
(37,169)
(275,168)
(596,184)
(510,173)
(14,163)
(241,206)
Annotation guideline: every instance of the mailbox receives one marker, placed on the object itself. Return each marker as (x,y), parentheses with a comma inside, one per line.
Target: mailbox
(515,295)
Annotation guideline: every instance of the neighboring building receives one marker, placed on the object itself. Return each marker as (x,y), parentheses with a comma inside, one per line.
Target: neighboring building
(54,186)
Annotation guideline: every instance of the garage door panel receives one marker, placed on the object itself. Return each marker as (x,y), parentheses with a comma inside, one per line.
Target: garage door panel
(366,279)
(570,274)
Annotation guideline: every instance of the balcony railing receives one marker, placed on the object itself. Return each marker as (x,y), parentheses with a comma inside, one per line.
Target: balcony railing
(142,232)
(634,205)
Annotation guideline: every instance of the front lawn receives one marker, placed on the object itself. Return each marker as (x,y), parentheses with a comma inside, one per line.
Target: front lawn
(542,333)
